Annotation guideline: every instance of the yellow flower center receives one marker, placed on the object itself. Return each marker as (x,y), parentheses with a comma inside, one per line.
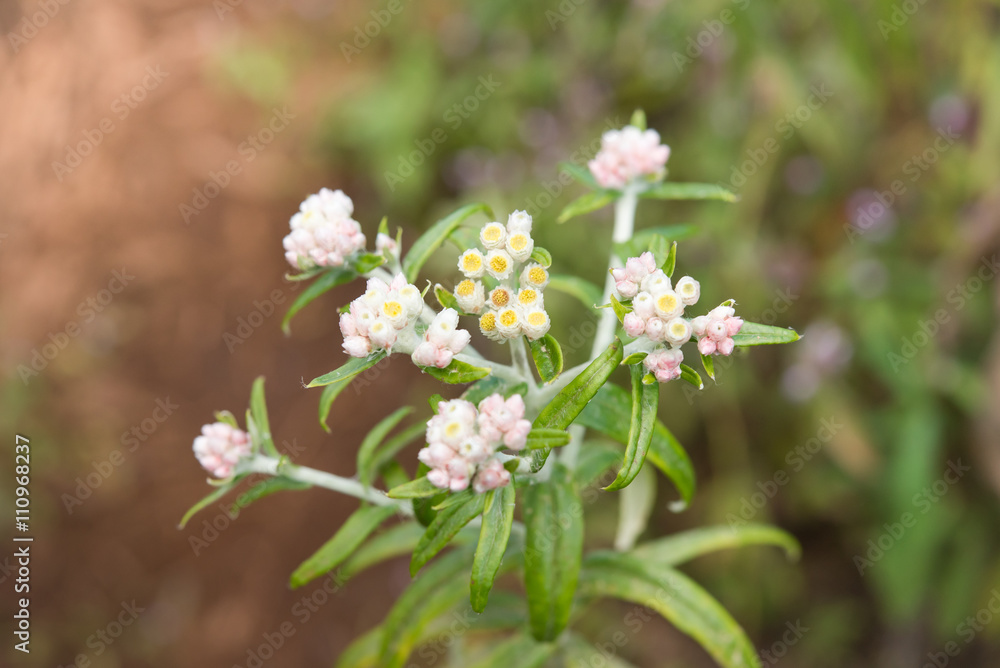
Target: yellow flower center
(392,309)
(508,318)
(536,319)
(453,429)
(528,296)
(499,297)
(498,264)
(667,302)
(537,275)
(518,241)
(678,328)
(493,232)
(472,262)
(488,322)
(466,288)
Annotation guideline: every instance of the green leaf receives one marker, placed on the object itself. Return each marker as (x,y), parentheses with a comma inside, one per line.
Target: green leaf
(349,370)
(542,256)
(417,489)
(580,653)
(645,400)
(588,293)
(753,334)
(435,592)
(444,527)
(368,261)
(219,492)
(366,452)
(635,505)
(567,405)
(674,596)
(588,202)
(655,239)
(354,531)
(706,361)
(330,394)
(609,413)
(434,400)
(638,119)
(383,455)
(621,310)
(520,650)
(266,488)
(682,547)
(457,372)
(261,425)
(432,239)
(691,376)
(580,173)
(227,418)
(445,298)
(363,652)
(455,498)
(546,438)
(393,542)
(671,262)
(548,357)
(553,521)
(327,280)
(498,518)
(596,457)
(493,385)
(634,358)
(673,190)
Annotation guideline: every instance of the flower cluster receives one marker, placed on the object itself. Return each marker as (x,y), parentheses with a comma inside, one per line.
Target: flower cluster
(516,305)
(323,232)
(715,331)
(628,154)
(463,442)
(383,315)
(220,447)
(442,341)
(658,314)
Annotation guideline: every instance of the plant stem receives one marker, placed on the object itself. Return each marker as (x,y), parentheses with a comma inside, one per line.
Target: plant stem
(336,483)
(624,225)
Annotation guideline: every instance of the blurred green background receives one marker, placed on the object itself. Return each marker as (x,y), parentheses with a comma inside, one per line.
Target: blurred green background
(863,139)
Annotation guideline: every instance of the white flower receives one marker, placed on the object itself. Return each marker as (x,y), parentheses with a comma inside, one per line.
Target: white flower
(493,236)
(412,301)
(469,295)
(393,311)
(655,283)
(678,332)
(530,299)
(535,276)
(488,326)
(536,324)
(689,290)
(499,264)
(643,305)
(628,154)
(382,334)
(520,245)
(668,305)
(220,447)
(508,322)
(322,232)
(519,221)
(501,297)
(471,263)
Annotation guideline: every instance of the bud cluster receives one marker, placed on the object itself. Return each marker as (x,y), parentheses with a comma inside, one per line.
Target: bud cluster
(220,447)
(385,314)
(442,341)
(323,232)
(627,155)
(463,442)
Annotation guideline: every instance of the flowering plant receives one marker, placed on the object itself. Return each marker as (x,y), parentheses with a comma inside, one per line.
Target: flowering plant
(517,436)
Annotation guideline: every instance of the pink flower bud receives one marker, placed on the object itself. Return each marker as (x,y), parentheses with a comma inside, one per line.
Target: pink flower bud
(656,329)
(517,436)
(348,327)
(626,289)
(357,346)
(425,354)
(220,447)
(634,325)
(706,346)
(439,478)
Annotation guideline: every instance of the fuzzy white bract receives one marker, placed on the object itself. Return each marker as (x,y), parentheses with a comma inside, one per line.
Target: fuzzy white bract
(383,317)
(442,341)
(515,306)
(220,447)
(323,234)
(627,155)
(462,442)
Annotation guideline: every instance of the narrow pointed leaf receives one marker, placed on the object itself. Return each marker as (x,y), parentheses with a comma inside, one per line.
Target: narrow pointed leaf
(645,400)
(542,438)
(691,376)
(383,455)
(634,358)
(368,261)
(595,458)
(498,518)
(706,361)
(673,190)
(217,494)
(580,173)
(258,409)
(588,293)
(493,385)
(671,262)
(676,597)
(327,280)
(349,370)
(635,506)
(521,651)
(548,357)
(393,542)
(588,202)
(541,256)
(432,239)
(553,520)
(444,527)
(621,310)
(267,488)
(417,489)
(366,451)
(347,539)
(638,119)
(753,334)
(445,298)
(682,547)
(458,372)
